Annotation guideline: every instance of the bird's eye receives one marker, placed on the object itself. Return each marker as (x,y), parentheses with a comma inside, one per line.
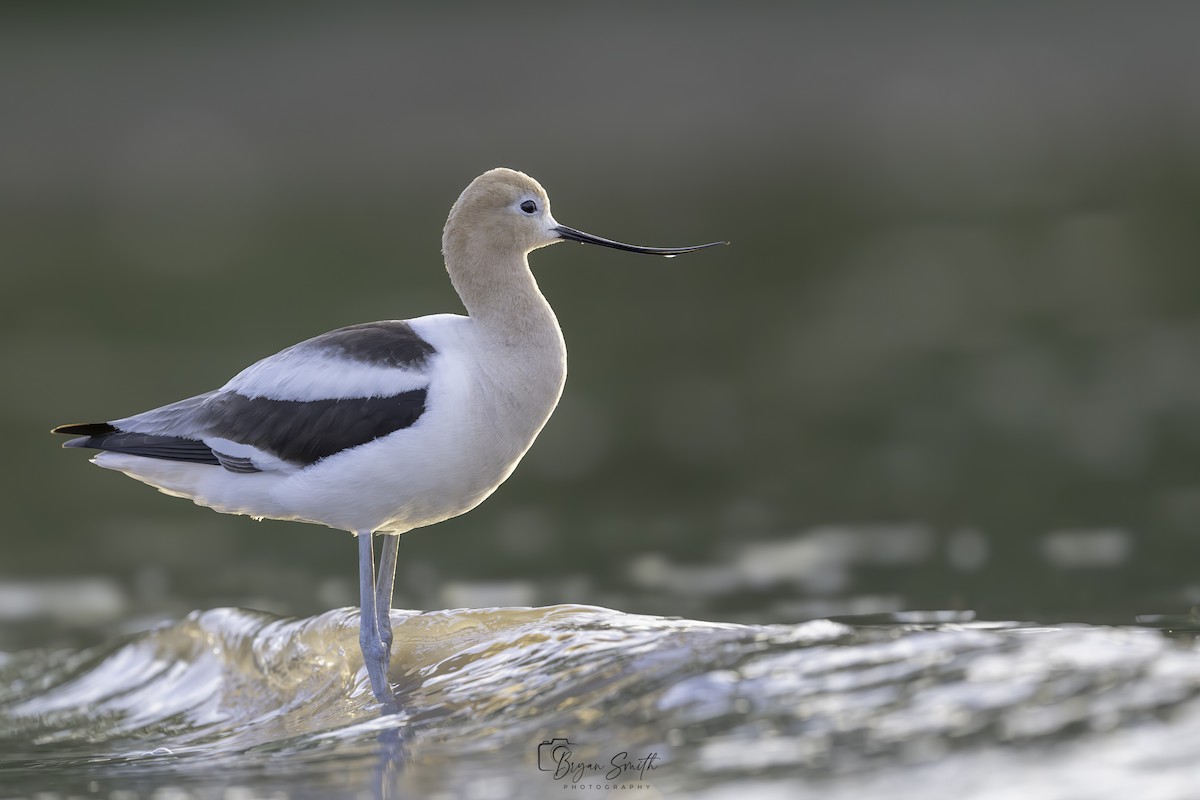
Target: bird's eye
(529,206)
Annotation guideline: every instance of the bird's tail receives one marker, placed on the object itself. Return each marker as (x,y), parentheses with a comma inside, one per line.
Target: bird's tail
(103,436)
(84,431)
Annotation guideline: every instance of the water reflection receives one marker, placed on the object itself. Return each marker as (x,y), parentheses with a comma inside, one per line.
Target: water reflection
(238,698)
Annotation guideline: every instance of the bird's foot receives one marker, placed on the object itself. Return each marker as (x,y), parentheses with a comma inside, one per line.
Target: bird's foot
(377,654)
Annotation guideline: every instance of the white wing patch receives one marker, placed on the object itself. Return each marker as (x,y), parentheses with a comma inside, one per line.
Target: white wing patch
(294,374)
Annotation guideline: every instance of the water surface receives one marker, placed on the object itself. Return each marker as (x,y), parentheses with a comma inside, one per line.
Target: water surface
(918,705)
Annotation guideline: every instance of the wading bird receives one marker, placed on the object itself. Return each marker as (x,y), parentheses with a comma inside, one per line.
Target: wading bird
(385,426)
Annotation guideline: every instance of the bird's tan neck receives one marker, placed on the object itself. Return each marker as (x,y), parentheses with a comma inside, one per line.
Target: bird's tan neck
(501,296)
(519,350)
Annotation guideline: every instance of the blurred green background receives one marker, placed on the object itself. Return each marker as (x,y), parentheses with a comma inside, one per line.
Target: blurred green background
(949,361)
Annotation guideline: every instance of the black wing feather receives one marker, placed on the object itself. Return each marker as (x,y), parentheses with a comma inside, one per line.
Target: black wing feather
(172,448)
(391,343)
(300,432)
(305,431)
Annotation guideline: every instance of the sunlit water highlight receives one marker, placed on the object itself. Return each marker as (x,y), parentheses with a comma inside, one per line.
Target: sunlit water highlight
(920,706)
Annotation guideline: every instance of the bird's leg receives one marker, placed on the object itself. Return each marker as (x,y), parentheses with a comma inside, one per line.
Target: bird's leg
(375,654)
(385,580)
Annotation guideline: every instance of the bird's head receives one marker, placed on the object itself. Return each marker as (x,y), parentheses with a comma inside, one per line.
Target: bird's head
(505,211)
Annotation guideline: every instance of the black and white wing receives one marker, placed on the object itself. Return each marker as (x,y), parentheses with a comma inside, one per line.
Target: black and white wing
(322,396)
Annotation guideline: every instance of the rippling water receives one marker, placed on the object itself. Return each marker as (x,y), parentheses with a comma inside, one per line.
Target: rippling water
(235,703)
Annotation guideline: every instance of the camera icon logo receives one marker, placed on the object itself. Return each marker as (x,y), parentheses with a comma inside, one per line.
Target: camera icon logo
(551,752)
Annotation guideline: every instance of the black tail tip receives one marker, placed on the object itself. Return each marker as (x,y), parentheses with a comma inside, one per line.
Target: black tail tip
(84,429)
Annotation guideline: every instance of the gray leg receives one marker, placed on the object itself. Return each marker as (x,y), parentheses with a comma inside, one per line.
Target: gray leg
(385,580)
(375,654)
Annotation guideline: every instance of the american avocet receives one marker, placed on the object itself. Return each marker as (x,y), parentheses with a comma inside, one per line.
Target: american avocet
(385,426)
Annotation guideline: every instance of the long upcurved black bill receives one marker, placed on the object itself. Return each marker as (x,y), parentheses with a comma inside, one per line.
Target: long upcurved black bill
(579,236)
